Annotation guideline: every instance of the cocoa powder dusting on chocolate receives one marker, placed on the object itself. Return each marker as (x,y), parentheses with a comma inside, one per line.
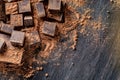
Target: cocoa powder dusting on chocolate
(73,20)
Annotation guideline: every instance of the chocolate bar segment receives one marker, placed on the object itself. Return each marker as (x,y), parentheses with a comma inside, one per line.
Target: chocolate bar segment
(49,28)
(40,9)
(24,6)
(11,8)
(16,20)
(33,39)
(6,28)
(54,5)
(17,38)
(28,21)
(56,16)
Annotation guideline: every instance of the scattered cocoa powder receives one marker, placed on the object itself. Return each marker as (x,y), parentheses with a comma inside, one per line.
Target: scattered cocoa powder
(73,19)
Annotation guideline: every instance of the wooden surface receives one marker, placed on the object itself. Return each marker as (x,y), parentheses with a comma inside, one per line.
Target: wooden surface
(97,61)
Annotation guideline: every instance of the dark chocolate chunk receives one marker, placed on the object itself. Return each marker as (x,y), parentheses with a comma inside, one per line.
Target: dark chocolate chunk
(33,39)
(54,5)
(28,21)
(17,38)
(56,16)
(40,9)
(49,28)
(24,6)
(16,20)
(11,8)
(6,28)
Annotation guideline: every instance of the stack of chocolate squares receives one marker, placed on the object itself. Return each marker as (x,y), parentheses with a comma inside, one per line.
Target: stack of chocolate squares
(16,15)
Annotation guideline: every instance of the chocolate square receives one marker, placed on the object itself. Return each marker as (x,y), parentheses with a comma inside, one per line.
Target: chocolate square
(49,28)
(11,8)
(17,38)
(40,9)
(24,6)
(54,5)
(28,21)
(16,20)
(56,16)
(33,39)
(6,28)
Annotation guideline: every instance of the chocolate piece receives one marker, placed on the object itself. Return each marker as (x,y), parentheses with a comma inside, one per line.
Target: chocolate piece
(24,6)
(40,9)
(2,45)
(16,20)
(17,38)
(54,5)
(28,21)
(2,11)
(6,28)
(33,39)
(49,28)
(11,8)
(56,16)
